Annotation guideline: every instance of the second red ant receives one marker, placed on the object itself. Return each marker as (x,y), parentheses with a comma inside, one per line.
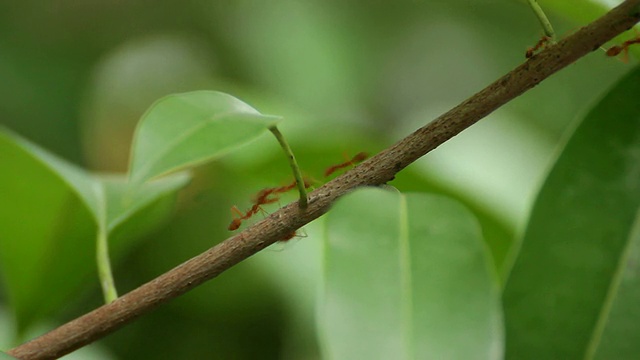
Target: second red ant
(354,160)
(263,197)
(623,48)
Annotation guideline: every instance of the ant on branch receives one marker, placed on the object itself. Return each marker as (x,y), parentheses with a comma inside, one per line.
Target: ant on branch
(237,221)
(354,160)
(544,40)
(289,236)
(623,48)
(272,195)
(263,197)
(300,233)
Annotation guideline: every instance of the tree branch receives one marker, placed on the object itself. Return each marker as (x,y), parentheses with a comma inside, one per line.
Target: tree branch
(375,171)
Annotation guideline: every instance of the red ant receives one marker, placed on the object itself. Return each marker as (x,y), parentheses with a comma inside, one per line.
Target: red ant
(261,198)
(300,233)
(354,160)
(236,222)
(624,47)
(539,45)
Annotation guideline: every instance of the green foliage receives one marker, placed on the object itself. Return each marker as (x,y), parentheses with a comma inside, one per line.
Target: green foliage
(408,278)
(52,212)
(347,78)
(177,131)
(187,129)
(572,292)
(46,233)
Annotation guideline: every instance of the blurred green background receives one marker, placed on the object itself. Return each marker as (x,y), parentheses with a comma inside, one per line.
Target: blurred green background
(348,76)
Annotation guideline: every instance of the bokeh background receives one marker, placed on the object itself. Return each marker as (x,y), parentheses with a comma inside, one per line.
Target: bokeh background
(349,76)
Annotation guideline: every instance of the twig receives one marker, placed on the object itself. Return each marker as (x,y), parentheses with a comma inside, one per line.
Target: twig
(375,171)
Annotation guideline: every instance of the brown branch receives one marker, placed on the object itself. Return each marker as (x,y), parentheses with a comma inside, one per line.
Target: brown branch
(375,171)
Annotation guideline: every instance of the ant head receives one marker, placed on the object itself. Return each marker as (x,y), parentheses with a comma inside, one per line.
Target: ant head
(235,224)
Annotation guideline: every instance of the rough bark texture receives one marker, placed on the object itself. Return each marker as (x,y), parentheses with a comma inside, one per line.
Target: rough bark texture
(377,170)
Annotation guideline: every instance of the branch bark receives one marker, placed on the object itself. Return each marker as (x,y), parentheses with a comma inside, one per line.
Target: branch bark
(379,169)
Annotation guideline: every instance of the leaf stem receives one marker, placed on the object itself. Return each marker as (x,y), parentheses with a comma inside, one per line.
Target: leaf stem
(302,202)
(544,21)
(104,266)
(105,275)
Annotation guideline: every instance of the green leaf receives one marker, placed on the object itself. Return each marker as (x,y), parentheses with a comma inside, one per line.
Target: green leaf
(407,277)
(50,216)
(126,214)
(129,215)
(570,288)
(46,233)
(182,130)
(123,204)
(616,335)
